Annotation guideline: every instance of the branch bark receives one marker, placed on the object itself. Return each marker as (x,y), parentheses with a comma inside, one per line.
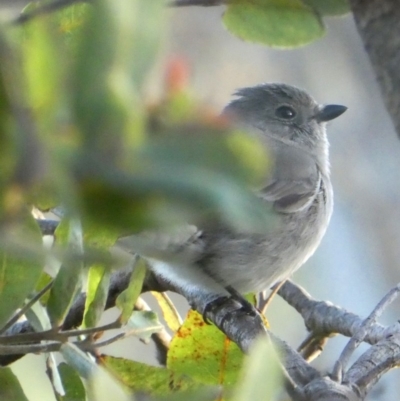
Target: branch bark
(378,23)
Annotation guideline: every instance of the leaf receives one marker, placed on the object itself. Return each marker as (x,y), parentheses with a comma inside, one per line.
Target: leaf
(261,377)
(72,383)
(127,299)
(119,44)
(276,23)
(329,7)
(10,389)
(20,268)
(68,280)
(170,314)
(38,317)
(42,63)
(149,379)
(143,324)
(101,386)
(96,295)
(204,353)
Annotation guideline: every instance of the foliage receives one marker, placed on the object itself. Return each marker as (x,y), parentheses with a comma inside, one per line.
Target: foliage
(76,132)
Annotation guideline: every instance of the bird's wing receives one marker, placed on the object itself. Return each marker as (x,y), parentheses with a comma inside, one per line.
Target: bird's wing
(295,180)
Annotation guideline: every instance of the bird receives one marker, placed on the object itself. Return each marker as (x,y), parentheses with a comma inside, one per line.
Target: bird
(215,262)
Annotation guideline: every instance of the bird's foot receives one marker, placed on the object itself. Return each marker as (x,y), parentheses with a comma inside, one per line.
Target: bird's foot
(245,306)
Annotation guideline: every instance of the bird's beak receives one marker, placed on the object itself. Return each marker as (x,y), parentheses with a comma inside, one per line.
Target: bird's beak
(330,112)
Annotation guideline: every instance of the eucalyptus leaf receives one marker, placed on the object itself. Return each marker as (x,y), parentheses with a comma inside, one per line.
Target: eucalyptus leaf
(276,23)
(73,386)
(127,299)
(10,389)
(19,272)
(69,278)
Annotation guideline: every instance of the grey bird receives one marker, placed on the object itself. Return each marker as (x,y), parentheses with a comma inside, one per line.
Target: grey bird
(207,264)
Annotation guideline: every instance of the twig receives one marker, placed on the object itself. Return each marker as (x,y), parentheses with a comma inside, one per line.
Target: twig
(358,337)
(312,346)
(265,303)
(52,335)
(375,373)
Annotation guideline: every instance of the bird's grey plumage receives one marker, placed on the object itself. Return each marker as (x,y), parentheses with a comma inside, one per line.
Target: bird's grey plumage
(202,262)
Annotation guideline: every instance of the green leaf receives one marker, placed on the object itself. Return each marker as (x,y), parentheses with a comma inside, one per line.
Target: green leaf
(204,353)
(38,317)
(96,295)
(73,386)
(42,64)
(119,43)
(68,280)
(329,7)
(101,385)
(143,324)
(127,299)
(261,377)
(20,268)
(10,389)
(276,23)
(149,379)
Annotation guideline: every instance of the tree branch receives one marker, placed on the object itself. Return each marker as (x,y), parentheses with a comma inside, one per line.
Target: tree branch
(379,28)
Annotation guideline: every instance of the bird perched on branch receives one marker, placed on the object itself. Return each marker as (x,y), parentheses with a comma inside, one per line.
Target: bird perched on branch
(211,263)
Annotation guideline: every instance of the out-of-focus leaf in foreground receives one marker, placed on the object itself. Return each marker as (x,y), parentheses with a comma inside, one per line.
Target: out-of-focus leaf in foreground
(149,379)
(261,377)
(68,279)
(10,389)
(72,383)
(19,271)
(276,23)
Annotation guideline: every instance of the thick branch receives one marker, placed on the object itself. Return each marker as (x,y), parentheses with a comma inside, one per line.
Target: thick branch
(324,318)
(378,23)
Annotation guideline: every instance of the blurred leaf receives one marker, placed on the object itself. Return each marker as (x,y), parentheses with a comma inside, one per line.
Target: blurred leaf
(73,386)
(276,23)
(101,385)
(236,154)
(42,64)
(204,353)
(145,323)
(68,280)
(44,280)
(78,360)
(38,317)
(119,42)
(172,185)
(261,377)
(71,20)
(149,379)
(96,294)
(10,389)
(127,299)
(170,314)
(329,7)
(19,271)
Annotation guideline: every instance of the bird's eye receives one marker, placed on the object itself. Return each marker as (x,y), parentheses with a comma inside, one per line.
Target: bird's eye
(285,112)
